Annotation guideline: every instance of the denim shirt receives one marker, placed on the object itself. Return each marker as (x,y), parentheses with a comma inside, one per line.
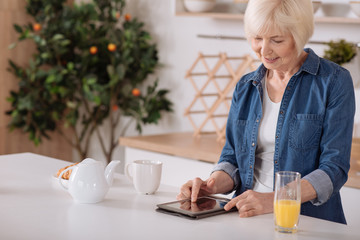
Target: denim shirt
(313,132)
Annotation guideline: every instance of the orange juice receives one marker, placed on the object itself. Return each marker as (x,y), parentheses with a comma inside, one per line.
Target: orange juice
(286,213)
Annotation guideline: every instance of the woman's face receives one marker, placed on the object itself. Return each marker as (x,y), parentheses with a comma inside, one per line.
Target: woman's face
(275,50)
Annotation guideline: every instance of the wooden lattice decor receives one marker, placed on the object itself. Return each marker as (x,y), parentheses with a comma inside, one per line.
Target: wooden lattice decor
(214,78)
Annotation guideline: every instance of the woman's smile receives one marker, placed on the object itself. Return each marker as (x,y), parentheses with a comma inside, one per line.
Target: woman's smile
(271,60)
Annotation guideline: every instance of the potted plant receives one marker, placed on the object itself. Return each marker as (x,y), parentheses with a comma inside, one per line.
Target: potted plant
(340,52)
(90,70)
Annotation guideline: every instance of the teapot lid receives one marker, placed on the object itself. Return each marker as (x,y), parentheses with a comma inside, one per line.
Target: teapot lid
(89,161)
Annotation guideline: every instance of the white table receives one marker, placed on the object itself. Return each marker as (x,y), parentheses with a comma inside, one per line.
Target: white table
(33,206)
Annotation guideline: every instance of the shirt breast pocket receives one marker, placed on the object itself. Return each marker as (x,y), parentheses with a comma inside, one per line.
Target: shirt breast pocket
(305,131)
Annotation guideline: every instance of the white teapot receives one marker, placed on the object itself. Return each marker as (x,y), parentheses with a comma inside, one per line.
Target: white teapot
(88,183)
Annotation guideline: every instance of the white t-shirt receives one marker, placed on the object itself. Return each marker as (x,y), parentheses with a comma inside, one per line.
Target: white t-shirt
(264,157)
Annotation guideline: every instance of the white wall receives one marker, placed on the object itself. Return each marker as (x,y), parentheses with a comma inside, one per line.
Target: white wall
(178,45)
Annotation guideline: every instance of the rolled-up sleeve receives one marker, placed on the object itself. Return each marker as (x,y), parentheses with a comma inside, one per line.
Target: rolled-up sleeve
(231,170)
(322,184)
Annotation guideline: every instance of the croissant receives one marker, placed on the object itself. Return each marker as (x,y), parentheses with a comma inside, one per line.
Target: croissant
(67,174)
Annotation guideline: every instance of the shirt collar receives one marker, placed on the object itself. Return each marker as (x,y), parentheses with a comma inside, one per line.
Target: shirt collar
(311,64)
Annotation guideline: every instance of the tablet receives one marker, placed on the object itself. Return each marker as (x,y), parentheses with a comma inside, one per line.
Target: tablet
(203,207)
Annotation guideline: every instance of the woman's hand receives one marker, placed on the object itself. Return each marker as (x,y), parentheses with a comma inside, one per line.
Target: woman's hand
(219,182)
(251,203)
(196,188)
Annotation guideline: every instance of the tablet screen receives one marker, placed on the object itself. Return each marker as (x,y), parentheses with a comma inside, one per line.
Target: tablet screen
(202,206)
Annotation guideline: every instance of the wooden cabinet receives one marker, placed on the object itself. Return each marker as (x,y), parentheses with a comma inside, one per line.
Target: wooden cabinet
(184,156)
(13,11)
(354,173)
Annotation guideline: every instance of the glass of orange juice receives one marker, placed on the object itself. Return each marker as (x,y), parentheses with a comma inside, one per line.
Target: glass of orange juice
(287,201)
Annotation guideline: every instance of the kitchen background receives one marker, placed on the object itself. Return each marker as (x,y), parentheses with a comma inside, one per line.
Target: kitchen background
(179,45)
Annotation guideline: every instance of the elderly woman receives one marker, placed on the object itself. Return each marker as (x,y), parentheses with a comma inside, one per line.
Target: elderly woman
(294,113)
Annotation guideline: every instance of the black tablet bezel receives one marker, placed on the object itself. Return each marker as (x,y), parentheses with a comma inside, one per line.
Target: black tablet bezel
(169,208)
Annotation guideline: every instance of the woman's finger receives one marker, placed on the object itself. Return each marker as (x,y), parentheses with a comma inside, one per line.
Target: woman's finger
(197,183)
(249,213)
(231,204)
(185,191)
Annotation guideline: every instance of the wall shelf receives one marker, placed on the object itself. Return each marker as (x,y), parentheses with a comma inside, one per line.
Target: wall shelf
(218,13)
(232,16)
(238,16)
(342,20)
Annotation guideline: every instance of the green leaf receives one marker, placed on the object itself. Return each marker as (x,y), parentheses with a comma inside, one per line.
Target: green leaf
(42,42)
(71,104)
(36,141)
(18,28)
(110,70)
(37,39)
(14,114)
(97,100)
(65,42)
(25,103)
(91,80)
(50,79)
(70,66)
(12,46)
(86,89)
(57,37)
(26,34)
(55,115)
(120,70)
(44,55)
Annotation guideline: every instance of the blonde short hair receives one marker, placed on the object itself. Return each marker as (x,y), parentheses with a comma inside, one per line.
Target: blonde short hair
(286,16)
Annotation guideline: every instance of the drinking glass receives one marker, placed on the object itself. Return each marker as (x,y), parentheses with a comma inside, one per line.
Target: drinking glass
(287,201)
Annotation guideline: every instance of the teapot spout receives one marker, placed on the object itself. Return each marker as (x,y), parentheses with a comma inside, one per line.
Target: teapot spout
(110,170)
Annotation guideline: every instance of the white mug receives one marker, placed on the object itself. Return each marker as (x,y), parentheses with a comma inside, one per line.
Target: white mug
(145,175)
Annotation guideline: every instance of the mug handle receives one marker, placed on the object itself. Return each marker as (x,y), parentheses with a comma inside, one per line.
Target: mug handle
(127,172)
(62,173)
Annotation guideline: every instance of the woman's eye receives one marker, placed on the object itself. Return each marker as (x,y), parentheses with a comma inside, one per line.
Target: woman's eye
(277,41)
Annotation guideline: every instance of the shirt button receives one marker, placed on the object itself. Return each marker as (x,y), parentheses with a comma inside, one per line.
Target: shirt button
(255,82)
(250,166)
(253,144)
(275,162)
(277,136)
(281,112)
(257,120)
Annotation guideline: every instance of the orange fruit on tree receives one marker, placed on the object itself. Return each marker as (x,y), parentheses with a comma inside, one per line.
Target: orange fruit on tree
(36,27)
(111,47)
(115,108)
(127,17)
(93,50)
(136,92)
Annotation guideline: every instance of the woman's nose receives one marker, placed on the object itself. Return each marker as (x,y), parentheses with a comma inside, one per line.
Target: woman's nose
(265,49)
